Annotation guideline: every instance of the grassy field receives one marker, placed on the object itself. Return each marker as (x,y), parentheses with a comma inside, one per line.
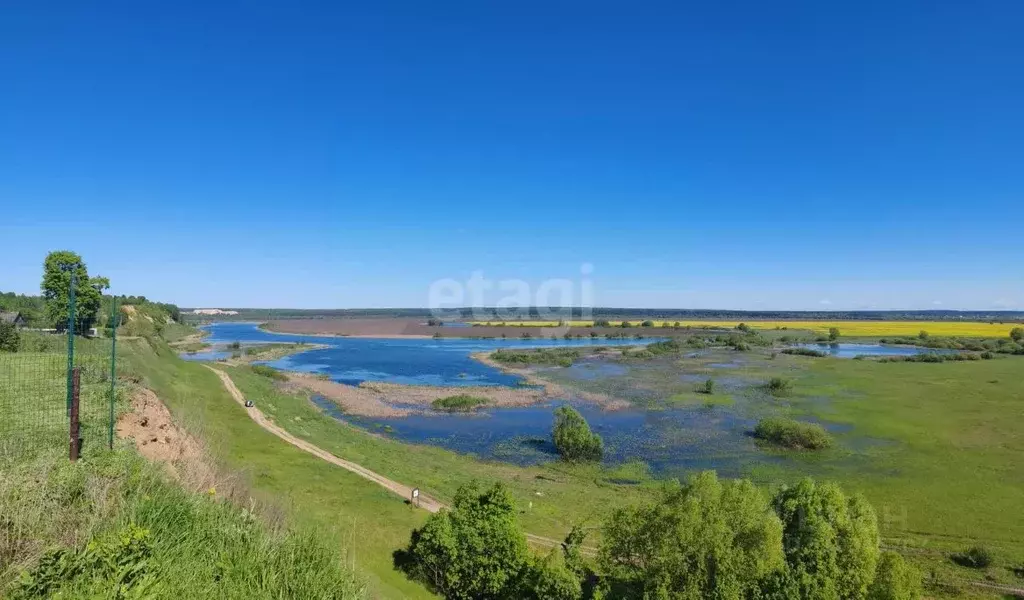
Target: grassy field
(944,473)
(113,524)
(934,450)
(847,328)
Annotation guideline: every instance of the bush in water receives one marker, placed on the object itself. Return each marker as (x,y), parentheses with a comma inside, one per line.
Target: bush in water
(573,438)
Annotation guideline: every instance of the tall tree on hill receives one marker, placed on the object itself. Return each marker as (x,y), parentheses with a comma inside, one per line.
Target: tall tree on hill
(57,274)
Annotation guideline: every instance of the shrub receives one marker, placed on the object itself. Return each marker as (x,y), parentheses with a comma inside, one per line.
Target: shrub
(573,438)
(270,372)
(625,325)
(975,557)
(792,434)
(805,352)
(602,323)
(895,579)
(1017,334)
(743,327)
(234,345)
(562,357)
(476,549)
(458,403)
(708,387)
(778,386)
(9,338)
(647,324)
(833,333)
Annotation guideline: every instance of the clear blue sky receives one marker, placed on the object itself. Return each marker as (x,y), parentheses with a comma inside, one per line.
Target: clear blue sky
(761,155)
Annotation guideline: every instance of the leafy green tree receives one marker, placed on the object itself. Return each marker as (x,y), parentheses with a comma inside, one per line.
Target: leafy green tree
(647,324)
(833,333)
(625,324)
(895,579)
(57,272)
(707,539)
(476,549)
(1017,334)
(550,578)
(831,541)
(9,338)
(743,327)
(573,438)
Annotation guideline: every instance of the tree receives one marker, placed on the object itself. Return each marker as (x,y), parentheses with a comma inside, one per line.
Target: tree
(833,333)
(1017,334)
(647,324)
(57,275)
(923,335)
(743,327)
(9,338)
(476,549)
(831,541)
(550,578)
(573,438)
(707,539)
(625,324)
(895,579)
(602,323)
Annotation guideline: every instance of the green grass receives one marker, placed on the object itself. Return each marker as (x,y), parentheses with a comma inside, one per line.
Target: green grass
(562,357)
(458,403)
(934,447)
(270,372)
(351,512)
(792,434)
(113,525)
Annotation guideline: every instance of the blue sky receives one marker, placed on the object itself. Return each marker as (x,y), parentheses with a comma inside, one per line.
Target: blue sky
(784,155)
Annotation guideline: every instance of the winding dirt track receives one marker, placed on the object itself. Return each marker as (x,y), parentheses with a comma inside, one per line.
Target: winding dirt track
(404,491)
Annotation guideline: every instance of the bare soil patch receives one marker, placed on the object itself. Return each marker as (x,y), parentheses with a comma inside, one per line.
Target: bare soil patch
(158,438)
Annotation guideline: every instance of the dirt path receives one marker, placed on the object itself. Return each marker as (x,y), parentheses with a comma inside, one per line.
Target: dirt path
(404,491)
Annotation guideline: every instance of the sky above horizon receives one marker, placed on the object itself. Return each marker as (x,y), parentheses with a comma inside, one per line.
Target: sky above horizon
(735,155)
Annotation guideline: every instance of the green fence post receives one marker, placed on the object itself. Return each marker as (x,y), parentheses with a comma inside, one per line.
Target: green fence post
(113,371)
(71,328)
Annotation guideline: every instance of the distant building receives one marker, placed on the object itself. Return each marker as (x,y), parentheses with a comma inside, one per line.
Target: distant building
(213,311)
(12,317)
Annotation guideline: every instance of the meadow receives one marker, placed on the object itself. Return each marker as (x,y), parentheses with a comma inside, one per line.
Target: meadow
(933,446)
(846,328)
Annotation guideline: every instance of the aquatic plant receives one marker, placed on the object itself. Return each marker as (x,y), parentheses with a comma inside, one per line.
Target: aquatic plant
(778,386)
(805,352)
(458,403)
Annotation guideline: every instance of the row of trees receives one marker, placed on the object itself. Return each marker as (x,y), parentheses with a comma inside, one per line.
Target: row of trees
(706,539)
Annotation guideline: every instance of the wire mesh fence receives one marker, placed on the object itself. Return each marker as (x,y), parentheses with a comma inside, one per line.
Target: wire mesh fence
(38,385)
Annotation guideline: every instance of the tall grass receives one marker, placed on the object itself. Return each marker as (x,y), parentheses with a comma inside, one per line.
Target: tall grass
(114,526)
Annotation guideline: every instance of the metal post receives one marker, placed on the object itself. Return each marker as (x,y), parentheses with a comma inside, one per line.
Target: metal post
(75,443)
(113,372)
(71,330)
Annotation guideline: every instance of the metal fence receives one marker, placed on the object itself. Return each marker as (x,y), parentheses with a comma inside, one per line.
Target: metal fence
(59,390)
